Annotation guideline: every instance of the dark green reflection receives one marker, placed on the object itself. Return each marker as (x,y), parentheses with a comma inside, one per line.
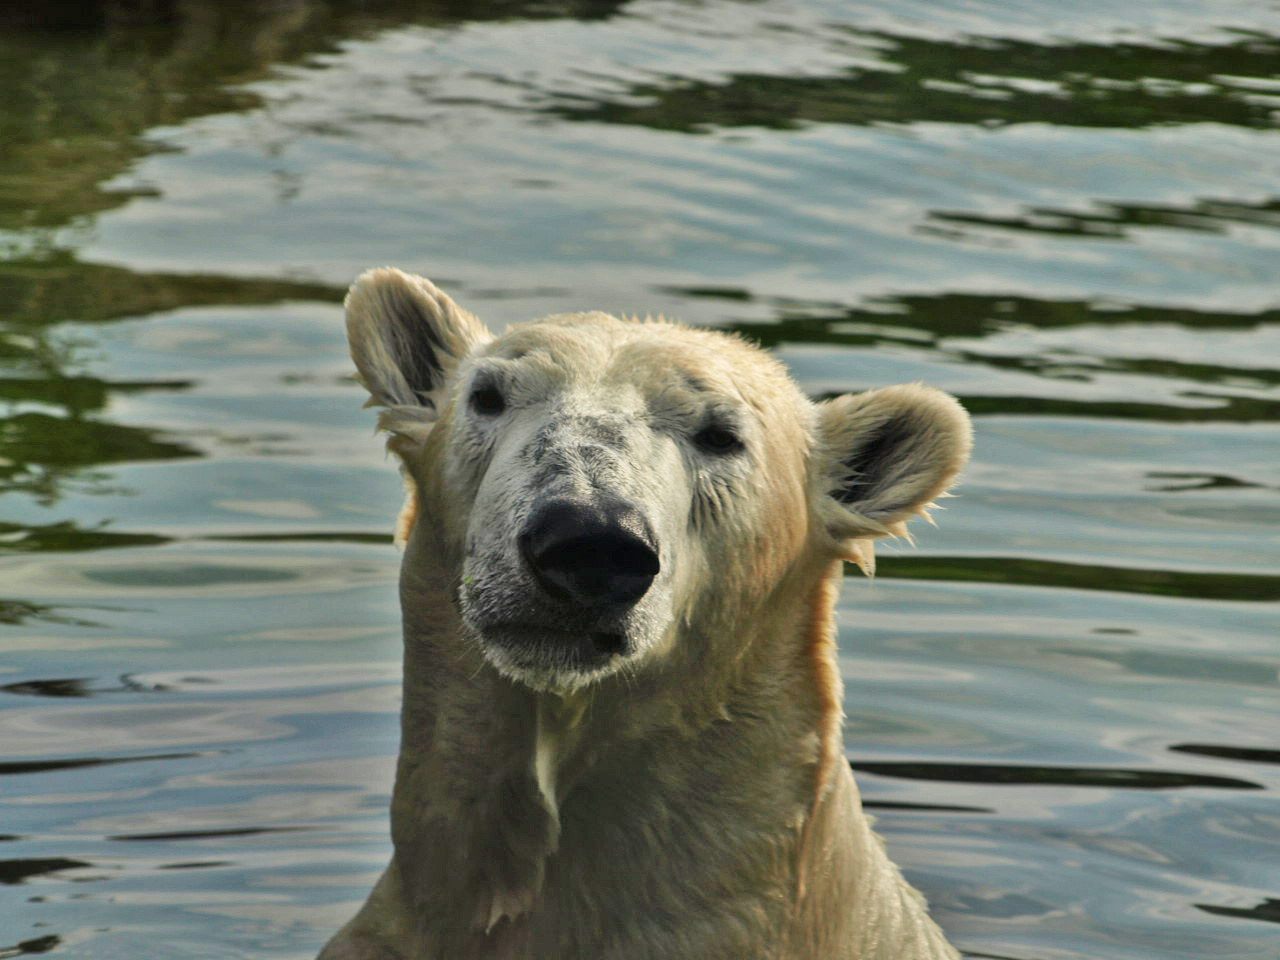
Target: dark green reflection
(962,315)
(1197,481)
(1117,220)
(1052,573)
(77,394)
(66,535)
(84,85)
(43,452)
(1026,774)
(204,834)
(33,946)
(927,321)
(1268,911)
(1221,408)
(38,292)
(15,612)
(40,452)
(18,871)
(84,82)
(78,687)
(1087,85)
(25,767)
(60,687)
(1228,752)
(310,536)
(186,575)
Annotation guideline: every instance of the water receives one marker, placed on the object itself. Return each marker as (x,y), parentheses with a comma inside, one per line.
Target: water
(1063,703)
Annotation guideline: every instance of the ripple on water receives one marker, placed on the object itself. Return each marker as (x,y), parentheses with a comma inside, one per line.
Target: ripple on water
(1062,707)
(183,572)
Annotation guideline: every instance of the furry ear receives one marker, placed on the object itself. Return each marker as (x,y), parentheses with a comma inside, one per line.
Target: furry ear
(888,454)
(407,337)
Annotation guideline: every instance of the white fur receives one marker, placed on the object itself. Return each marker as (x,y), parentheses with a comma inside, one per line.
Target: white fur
(687,798)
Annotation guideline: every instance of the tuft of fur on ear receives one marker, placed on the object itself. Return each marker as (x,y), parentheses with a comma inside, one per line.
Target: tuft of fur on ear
(407,337)
(888,454)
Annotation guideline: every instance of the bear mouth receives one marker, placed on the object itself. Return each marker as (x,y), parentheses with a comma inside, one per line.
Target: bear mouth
(535,652)
(609,643)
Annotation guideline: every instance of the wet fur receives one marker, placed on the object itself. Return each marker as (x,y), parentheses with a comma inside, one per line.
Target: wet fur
(694,802)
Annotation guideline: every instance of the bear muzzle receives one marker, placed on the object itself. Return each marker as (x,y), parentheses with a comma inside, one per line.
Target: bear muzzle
(585,599)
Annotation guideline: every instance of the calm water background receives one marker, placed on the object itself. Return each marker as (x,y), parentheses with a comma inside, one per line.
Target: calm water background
(1064,703)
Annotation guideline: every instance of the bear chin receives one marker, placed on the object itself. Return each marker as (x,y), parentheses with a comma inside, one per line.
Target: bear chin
(554,658)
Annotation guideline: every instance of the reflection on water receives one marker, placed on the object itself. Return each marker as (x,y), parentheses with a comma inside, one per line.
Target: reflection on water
(1066,776)
(1061,706)
(995,82)
(1205,586)
(46,453)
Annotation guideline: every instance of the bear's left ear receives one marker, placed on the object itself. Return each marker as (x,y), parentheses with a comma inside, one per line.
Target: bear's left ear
(884,456)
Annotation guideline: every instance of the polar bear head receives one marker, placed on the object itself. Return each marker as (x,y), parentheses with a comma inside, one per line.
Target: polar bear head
(605,495)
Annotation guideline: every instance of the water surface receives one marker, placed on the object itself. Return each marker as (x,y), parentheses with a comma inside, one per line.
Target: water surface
(1062,704)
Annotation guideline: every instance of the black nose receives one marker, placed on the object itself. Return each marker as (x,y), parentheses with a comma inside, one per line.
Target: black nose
(595,555)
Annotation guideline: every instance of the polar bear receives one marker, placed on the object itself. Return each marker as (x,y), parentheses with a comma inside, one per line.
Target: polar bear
(621,719)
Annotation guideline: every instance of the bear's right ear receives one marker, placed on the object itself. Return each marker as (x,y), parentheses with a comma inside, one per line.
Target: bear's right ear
(407,338)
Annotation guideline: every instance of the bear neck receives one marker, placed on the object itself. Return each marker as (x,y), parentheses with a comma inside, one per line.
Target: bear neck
(513,805)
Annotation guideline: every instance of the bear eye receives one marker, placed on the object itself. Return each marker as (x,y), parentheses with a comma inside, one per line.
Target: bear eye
(716,439)
(487,399)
